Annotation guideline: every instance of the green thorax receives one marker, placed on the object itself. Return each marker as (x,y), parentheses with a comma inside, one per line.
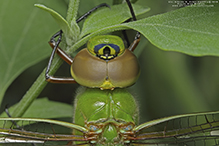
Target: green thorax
(108,113)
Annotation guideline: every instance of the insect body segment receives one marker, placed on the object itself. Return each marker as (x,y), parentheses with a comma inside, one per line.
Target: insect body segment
(111,114)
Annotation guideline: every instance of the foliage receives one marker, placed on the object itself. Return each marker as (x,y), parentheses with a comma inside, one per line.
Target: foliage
(190,30)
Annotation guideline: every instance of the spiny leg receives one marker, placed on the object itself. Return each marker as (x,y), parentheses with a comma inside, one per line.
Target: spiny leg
(92,10)
(56,49)
(137,36)
(53,43)
(9,115)
(68,59)
(52,40)
(63,55)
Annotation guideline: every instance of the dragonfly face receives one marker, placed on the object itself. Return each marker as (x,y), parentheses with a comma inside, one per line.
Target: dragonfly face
(106,47)
(105,64)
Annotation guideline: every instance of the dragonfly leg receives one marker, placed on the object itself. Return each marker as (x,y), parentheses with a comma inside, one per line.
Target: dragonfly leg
(56,49)
(9,115)
(135,42)
(92,10)
(68,59)
(137,36)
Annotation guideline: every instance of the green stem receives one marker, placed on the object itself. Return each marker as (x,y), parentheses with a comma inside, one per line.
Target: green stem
(40,83)
(35,90)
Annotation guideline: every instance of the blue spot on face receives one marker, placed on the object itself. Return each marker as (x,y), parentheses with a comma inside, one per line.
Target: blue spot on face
(115,47)
(98,47)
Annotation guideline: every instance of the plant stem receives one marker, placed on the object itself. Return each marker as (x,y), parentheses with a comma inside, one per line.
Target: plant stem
(35,90)
(40,82)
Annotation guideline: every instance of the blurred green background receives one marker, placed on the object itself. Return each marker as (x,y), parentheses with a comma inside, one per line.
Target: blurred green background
(170,83)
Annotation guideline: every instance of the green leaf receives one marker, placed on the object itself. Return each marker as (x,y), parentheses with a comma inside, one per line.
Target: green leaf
(72,10)
(71,33)
(71,19)
(110,16)
(190,30)
(115,2)
(24,37)
(44,108)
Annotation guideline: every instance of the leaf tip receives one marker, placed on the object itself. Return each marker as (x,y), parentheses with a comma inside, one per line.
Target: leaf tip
(39,6)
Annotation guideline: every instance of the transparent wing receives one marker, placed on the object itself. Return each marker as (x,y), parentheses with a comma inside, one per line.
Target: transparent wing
(200,129)
(40,131)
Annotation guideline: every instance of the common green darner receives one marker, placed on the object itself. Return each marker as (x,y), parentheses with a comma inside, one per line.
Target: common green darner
(114,115)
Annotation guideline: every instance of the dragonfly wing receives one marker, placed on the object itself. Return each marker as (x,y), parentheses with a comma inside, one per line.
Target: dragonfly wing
(188,129)
(5,139)
(39,131)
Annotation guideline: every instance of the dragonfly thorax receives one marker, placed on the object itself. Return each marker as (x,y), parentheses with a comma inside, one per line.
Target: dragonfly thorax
(110,116)
(111,134)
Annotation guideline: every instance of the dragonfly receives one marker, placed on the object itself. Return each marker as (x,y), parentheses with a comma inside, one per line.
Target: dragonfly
(106,113)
